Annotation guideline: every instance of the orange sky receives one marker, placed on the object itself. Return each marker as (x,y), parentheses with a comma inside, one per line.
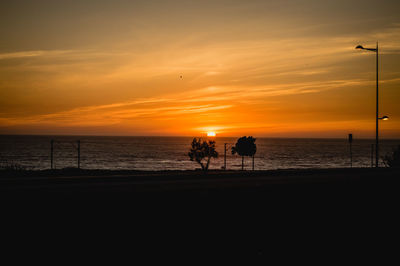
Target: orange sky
(265,68)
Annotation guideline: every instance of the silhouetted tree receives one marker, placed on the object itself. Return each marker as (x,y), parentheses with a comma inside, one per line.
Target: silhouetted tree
(393,160)
(202,152)
(245,146)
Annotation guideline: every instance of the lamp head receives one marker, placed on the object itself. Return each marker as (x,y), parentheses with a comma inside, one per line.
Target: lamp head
(385,117)
(359,47)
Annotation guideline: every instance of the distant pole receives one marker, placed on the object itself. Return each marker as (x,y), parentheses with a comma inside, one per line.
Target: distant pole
(79,154)
(51,153)
(253,162)
(351,153)
(225,156)
(376,50)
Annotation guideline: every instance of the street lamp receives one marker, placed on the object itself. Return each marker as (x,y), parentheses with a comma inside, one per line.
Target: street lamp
(377,102)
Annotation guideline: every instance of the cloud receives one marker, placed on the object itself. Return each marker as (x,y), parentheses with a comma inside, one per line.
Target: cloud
(119,112)
(38,53)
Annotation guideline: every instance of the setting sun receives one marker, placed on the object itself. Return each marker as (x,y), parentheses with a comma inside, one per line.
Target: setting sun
(211,134)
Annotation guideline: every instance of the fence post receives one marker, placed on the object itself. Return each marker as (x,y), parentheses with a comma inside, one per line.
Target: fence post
(372,155)
(51,153)
(79,154)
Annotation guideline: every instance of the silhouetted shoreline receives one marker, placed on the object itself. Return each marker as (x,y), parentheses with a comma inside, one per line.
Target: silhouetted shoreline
(171,153)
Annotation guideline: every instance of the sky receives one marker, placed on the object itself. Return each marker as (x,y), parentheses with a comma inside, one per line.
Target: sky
(280,68)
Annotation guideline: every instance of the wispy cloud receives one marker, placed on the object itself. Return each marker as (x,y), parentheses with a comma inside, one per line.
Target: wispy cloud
(119,112)
(38,53)
(173,106)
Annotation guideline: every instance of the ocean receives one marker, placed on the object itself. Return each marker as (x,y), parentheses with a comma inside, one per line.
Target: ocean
(171,153)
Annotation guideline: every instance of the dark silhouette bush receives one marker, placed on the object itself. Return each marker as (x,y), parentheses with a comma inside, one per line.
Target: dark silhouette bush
(202,152)
(393,160)
(245,146)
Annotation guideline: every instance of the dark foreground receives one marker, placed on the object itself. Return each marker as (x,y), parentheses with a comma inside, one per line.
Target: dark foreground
(233,213)
(287,185)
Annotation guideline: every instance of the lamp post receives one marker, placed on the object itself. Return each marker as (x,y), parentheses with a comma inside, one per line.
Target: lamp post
(377,102)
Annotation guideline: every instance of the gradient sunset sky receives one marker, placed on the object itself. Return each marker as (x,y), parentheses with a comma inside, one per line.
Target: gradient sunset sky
(264,68)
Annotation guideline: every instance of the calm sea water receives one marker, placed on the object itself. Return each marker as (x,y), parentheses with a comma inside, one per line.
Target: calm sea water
(170,153)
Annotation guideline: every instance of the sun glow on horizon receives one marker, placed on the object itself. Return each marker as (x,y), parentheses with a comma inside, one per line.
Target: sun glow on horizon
(211,134)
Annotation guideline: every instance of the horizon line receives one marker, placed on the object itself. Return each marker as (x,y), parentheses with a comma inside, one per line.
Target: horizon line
(182,136)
